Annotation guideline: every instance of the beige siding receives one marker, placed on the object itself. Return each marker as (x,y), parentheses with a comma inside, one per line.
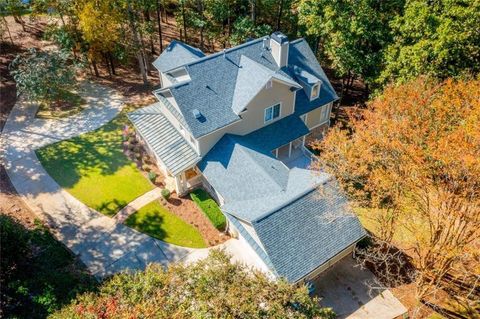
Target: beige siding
(253,117)
(313,118)
(316,117)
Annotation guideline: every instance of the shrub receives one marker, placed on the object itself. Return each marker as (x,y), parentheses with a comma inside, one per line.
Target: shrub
(165,193)
(152,176)
(210,288)
(37,274)
(146,168)
(43,75)
(138,155)
(210,208)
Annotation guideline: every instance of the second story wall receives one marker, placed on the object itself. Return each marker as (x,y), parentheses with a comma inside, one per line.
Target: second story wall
(253,117)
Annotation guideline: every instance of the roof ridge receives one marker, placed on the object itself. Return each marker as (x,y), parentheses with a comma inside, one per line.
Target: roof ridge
(217,54)
(293,199)
(255,162)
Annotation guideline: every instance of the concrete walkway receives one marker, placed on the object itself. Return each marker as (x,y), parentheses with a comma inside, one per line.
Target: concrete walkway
(138,203)
(104,245)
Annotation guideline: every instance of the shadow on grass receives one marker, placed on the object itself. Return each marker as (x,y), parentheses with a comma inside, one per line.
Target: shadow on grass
(38,274)
(110,208)
(98,152)
(149,223)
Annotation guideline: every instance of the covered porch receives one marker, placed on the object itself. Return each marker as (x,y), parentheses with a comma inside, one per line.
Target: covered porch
(174,156)
(294,154)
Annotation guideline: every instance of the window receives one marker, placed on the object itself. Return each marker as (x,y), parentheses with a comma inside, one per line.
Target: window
(324,114)
(315,91)
(272,113)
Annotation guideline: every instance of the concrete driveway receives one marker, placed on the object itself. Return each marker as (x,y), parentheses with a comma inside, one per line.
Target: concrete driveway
(344,287)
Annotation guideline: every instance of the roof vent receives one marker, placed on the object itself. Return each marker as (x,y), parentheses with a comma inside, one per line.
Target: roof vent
(197,114)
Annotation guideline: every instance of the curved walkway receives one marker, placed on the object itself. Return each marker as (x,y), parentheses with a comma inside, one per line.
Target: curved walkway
(104,245)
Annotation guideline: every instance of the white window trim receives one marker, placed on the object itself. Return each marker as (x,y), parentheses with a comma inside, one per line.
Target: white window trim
(318,91)
(273,119)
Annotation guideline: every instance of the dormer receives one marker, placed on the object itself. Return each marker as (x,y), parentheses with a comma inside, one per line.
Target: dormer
(178,75)
(310,83)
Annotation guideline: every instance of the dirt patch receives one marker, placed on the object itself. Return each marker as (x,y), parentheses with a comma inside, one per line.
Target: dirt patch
(12,205)
(187,210)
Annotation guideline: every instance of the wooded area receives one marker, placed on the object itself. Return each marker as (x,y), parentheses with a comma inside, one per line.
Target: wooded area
(374,41)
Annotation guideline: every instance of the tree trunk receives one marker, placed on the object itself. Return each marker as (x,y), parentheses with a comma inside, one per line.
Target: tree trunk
(136,43)
(159,22)
(94,64)
(112,65)
(8,30)
(184,22)
(279,16)
(20,21)
(107,63)
(254,11)
(146,17)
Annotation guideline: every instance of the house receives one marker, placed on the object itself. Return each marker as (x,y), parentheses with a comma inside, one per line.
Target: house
(236,122)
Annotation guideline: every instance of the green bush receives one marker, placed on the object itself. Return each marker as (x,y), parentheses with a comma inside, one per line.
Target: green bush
(210,208)
(152,176)
(165,193)
(210,288)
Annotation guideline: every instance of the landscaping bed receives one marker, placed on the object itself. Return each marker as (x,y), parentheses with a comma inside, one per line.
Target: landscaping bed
(157,221)
(189,211)
(210,208)
(94,169)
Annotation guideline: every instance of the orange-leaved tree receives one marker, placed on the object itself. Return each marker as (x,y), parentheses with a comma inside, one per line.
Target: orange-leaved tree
(410,163)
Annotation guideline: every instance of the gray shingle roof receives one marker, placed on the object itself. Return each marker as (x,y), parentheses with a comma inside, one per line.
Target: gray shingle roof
(298,228)
(308,232)
(175,55)
(247,175)
(251,78)
(213,83)
(163,139)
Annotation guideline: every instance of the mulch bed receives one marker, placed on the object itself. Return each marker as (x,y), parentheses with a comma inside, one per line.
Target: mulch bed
(187,210)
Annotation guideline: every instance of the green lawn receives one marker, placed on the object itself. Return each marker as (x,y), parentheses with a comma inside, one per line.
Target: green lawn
(93,168)
(209,208)
(155,220)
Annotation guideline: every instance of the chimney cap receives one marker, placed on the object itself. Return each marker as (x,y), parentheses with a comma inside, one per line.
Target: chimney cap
(279,37)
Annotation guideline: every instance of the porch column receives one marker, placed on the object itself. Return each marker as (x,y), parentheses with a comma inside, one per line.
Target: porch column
(178,184)
(289,149)
(276,152)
